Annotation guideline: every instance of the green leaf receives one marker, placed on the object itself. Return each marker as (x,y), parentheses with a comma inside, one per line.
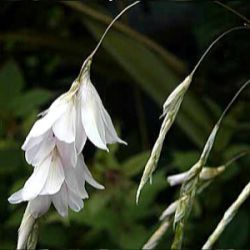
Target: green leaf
(27,102)
(155,78)
(11,83)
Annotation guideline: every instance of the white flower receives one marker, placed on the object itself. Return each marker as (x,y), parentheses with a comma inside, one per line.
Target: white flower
(96,121)
(72,118)
(57,183)
(54,147)
(59,122)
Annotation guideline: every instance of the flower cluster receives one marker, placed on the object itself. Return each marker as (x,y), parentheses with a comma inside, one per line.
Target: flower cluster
(54,145)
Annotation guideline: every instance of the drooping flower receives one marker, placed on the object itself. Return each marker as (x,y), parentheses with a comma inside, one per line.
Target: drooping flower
(96,122)
(55,182)
(54,147)
(58,122)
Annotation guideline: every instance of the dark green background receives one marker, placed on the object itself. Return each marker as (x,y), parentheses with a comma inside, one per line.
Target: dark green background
(42,46)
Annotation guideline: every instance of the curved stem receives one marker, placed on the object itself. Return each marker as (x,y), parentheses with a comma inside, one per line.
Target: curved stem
(87,63)
(213,43)
(170,59)
(233,11)
(235,158)
(110,25)
(232,101)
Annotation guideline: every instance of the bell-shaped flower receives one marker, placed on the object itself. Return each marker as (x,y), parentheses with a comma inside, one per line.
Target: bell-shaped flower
(96,122)
(56,182)
(59,122)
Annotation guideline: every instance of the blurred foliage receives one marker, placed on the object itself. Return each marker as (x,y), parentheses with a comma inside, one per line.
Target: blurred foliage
(42,46)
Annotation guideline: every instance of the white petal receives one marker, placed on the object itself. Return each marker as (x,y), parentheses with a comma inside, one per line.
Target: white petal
(60,201)
(42,125)
(75,181)
(16,197)
(75,202)
(91,114)
(177,179)
(70,179)
(55,177)
(40,205)
(64,127)
(110,133)
(67,153)
(30,142)
(35,183)
(88,176)
(81,179)
(39,152)
(81,136)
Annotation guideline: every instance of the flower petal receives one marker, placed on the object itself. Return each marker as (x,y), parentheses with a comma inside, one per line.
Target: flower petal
(35,183)
(60,201)
(16,197)
(40,205)
(91,114)
(110,133)
(55,177)
(67,153)
(42,125)
(75,202)
(30,142)
(88,176)
(75,180)
(39,152)
(64,127)
(81,136)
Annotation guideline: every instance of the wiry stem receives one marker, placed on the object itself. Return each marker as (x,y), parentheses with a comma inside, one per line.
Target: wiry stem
(213,43)
(170,59)
(88,61)
(110,25)
(233,11)
(228,216)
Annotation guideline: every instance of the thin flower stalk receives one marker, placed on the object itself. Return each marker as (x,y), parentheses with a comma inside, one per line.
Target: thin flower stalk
(228,216)
(189,187)
(170,110)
